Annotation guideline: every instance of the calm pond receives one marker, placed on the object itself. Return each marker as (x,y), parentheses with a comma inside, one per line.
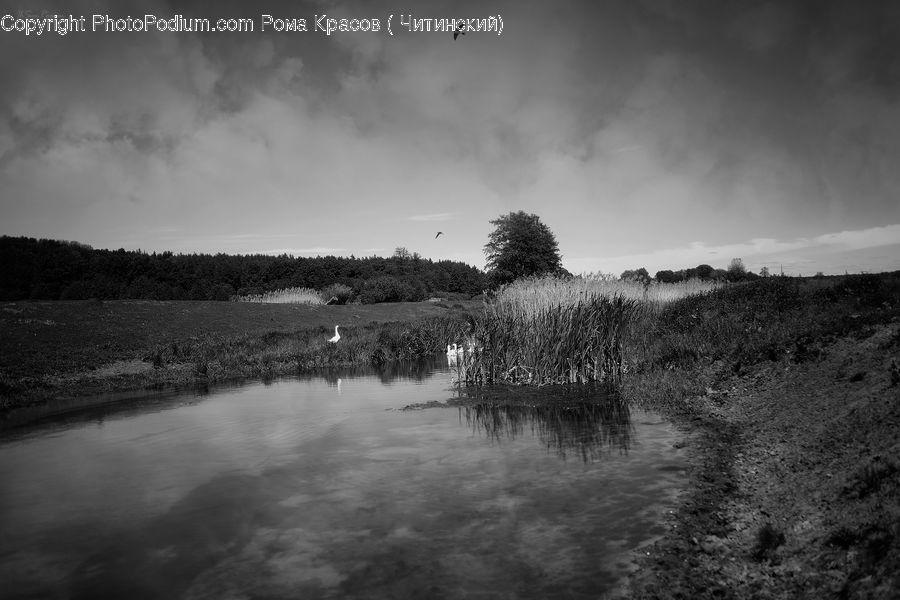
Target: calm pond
(322,488)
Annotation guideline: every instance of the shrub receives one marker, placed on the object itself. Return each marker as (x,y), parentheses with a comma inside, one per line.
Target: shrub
(340,292)
(390,289)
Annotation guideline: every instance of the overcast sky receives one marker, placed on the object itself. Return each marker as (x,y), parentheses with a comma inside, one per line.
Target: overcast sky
(654,133)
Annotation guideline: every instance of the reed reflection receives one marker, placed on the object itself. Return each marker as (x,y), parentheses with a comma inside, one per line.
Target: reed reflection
(568,426)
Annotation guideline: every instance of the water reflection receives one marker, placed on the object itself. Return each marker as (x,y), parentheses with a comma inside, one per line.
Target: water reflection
(387,373)
(68,413)
(322,489)
(417,371)
(585,423)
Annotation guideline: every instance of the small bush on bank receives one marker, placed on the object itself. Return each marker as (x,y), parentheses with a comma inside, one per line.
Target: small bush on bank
(336,293)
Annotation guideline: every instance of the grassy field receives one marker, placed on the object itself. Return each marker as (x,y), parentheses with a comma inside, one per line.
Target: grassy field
(66,349)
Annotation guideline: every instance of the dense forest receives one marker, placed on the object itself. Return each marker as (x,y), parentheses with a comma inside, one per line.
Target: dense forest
(33,269)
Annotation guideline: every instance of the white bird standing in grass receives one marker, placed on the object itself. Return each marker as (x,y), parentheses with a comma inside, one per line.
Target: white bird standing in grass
(336,337)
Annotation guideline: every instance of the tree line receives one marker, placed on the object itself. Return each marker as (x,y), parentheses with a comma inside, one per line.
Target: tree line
(736,271)
(32,269)
(520,246)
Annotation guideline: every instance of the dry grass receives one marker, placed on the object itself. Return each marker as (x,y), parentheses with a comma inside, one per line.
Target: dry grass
(664,293)
(295,295)
(540,293)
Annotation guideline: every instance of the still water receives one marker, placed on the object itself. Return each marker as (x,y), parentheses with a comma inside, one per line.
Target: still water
(324,488)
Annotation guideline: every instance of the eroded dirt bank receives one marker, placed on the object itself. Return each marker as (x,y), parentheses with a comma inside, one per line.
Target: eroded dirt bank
(795,486)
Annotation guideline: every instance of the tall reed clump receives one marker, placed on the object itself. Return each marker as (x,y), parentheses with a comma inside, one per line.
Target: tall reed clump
(546,331)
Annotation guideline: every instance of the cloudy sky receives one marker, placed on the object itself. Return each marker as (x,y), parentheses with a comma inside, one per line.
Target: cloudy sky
(654,133)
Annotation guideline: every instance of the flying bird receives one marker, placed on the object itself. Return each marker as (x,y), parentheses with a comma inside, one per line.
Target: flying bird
(460,30)
(438,233)
(336,337)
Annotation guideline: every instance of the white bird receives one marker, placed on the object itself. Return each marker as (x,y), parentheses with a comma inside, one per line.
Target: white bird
(336,337)
(455,350)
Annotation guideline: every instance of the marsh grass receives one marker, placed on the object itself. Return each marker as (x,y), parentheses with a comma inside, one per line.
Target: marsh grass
(294,295)
(548,331)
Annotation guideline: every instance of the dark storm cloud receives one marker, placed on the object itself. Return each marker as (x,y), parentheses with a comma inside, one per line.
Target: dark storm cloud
(757,119)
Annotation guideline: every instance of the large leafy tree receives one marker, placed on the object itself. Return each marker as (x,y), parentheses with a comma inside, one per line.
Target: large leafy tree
(520,246)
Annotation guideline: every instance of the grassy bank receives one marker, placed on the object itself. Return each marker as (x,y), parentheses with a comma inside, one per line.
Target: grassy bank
(725,332)
(792,394)
(61,350)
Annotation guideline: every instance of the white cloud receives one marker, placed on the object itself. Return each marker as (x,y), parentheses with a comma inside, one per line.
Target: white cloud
(756,252)
(433,217)
(318,251)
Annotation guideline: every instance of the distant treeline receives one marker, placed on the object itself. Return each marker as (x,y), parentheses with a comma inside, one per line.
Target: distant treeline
(736,271)
(57,270)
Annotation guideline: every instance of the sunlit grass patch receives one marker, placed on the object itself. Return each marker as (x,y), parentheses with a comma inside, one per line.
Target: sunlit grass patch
(541,292)
(664,293)
(294,295)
